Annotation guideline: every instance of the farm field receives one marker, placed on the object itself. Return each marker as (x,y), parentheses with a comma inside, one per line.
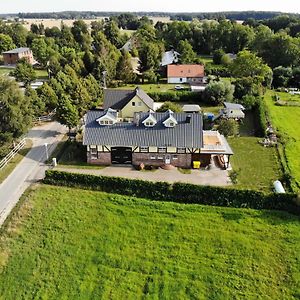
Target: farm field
(257,166)
(67,243)
(57,22)
(286,119)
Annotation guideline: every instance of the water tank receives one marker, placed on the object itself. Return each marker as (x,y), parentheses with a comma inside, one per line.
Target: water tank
(278,187)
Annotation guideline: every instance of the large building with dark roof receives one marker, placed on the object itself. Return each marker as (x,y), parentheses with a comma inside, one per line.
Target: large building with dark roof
(11,57)
(151,139)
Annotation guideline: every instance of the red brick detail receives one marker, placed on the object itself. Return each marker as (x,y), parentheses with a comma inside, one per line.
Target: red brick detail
(182,161)
(103,158)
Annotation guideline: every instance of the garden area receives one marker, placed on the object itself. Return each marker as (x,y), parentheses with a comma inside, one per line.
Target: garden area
(77,244)
(286,120)
(256,167)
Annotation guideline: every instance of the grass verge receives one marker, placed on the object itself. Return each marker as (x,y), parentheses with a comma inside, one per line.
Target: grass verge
(4,173)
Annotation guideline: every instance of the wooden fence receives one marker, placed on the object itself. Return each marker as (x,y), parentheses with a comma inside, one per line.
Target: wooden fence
(12,153)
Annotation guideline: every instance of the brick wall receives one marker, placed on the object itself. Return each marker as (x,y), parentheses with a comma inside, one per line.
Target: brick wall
(102,158)
(182,161)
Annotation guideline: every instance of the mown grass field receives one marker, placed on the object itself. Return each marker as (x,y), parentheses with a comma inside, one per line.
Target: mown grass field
(153,88)
(257,166)
(286,119)
(73,244)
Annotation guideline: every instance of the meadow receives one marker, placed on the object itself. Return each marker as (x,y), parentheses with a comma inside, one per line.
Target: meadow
(257,167)
(286,119)
(64,243)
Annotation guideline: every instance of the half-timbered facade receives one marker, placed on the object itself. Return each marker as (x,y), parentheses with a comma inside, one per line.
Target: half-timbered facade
(151,139)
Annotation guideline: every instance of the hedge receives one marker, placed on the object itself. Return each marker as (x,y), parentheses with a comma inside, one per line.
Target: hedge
(260,112)
(177,192)
(180,96)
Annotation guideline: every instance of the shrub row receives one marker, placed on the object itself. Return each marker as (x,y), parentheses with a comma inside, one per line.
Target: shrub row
(260,113)
(177,192)
(179,96)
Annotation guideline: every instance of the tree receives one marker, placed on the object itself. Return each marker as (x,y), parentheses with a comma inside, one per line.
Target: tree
(218,92)
(6,43)
(217,56)
(48,96)
(187,54)
(170,105)
(112,33)
(24,72)
(150,55)
(247,86)
(38,105)
(228,127)
(247,64)
(125,71)
(67,113)
(15,109)
(41,51)
(282,76)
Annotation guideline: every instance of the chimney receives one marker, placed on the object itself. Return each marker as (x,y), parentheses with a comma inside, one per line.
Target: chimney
(137,119)
(188,119)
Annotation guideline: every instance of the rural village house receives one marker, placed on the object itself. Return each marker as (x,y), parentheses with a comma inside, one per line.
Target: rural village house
(152,138)
(11,57)
(192,74)
(127,102)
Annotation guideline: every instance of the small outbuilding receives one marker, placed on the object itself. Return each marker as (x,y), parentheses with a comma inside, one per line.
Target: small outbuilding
(191,108)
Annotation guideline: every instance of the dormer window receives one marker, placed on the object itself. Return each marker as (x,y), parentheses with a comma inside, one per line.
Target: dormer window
(149,124)
(150,121)
(170,122)
(108,118)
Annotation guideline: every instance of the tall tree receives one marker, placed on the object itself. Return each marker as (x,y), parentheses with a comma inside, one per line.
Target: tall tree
(24,72)
(6,43)
(187,54)
(125,71)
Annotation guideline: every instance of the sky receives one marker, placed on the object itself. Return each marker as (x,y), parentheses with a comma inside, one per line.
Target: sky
(16,6)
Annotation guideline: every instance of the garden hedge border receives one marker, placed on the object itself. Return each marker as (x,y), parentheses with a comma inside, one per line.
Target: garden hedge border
(177,192)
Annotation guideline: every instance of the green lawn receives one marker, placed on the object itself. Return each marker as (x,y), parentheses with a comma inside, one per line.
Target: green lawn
(152,87)
(257,166)
(5,71)
(41,74)
(73,244)
(287,121)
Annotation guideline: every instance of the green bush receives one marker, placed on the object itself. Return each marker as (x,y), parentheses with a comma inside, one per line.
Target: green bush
(179,96)
(260,113)
(177,192)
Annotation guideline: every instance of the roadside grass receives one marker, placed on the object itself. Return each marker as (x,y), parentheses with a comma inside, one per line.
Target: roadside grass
(257,167)
(65,243)
(4,173)
(286,120)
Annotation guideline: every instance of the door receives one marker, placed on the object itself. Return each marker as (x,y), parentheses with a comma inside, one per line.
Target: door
(167,159)
(121,155)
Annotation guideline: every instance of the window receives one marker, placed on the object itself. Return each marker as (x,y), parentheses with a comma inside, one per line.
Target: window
(144,149)
(160,157)
(106,122)
(152,157)
(149,124)
(175,157)
(133,103)
(162,149)
(140,103)
(180,79)
(181,150)
(110,122)
(102,122)
(171,124)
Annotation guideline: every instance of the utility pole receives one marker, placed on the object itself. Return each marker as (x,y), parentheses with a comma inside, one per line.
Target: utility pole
(104,73)
(46,147)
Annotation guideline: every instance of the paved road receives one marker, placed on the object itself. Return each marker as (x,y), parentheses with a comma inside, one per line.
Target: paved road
(31,168)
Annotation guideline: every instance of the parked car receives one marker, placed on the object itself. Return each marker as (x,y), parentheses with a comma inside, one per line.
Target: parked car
(178,87)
